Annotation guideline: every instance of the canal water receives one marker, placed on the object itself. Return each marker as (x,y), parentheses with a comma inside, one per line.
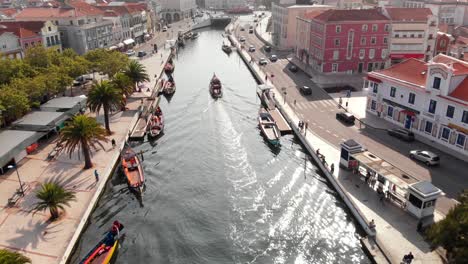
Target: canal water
(216,191)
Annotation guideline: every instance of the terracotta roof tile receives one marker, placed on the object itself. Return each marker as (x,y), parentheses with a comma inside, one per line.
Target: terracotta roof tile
(410,70)
(460,67)
(351,15)
(461,92)
(8,11)
(313,14)
(408,14)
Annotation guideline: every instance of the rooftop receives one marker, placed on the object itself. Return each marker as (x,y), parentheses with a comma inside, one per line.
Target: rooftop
(351,15)
(15,141)
(22,29)
(73,9)
(408,14)
(410,70)
(64,103)
(39,121)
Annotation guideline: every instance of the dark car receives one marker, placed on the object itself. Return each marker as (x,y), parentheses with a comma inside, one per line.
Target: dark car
(293,68)
(306,90)
(401,133)
(141,54)
(273,58)
(267,48)
(345,117)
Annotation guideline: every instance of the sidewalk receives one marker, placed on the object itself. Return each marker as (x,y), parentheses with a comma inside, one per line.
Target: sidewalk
(31,234)
(395,229)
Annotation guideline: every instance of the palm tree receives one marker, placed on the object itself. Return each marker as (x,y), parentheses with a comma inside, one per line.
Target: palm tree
(82,132)
(123,83)
(136,72)
(53,196)
(7,256)
(104,95)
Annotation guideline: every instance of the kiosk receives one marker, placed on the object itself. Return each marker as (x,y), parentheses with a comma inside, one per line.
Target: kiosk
(348,148)
(422,198)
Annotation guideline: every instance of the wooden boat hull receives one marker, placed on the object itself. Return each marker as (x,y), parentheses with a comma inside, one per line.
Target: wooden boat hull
(169,68)
(216,87)
(268,128)
(169,88)
(156,128)
(101,253)
(132,168)
(226,49)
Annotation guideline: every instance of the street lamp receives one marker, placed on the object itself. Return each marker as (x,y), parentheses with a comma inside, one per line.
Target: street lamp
(284,94)
(19,179)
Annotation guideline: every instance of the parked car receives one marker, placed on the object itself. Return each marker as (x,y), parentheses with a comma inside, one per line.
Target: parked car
(345,117)
(130,52)
(141,54)
(306,90)
(273,58)
(267,48)
(293,68)
(255,20)
(401,133)
(425,156)
(164,29)
(263,61)
(242,39)
(242,29)
(251,48)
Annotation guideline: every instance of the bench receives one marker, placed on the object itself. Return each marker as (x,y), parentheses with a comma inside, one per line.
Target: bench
(17,195)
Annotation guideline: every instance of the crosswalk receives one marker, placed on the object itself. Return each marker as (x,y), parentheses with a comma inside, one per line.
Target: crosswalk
(318,105)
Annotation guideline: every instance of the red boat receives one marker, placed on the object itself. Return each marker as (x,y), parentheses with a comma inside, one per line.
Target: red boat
(133,170)
(169,68)
(156,123)
(169,87)
(106,249)
(216,87)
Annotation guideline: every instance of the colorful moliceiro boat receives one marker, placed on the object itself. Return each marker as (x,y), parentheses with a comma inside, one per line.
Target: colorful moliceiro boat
(133,170)
(226,48)
(156,123)
(216,87)
(106,249)
(268,127)
(169,68)
(169,87)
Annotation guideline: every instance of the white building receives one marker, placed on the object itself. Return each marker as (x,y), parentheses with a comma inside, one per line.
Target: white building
(284,22)
(430,99)
(175,10)
(449,12)
(224,4)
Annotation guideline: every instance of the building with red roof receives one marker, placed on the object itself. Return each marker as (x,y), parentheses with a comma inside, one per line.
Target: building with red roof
(428,98)
(31,33)
(413,33)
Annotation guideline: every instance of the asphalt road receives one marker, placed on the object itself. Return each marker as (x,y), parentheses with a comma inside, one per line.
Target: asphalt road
(319,111)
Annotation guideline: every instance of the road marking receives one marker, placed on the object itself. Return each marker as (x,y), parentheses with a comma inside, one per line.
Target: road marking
(321,127)
(328,131)
(343,139)
(335,135)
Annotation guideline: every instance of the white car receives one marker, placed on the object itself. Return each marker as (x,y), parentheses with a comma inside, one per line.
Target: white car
(251,48)
(425,156)
(242,39)
(130,53)
(263,61)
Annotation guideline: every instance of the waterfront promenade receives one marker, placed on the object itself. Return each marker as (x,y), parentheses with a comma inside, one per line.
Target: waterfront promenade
(395,233)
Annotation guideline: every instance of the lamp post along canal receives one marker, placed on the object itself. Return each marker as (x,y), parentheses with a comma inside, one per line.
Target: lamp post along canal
(284,94)
(19,179)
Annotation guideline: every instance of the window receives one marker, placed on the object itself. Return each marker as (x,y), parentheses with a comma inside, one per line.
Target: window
(392,91)
(450,111)
(385,40)
(411,98)
(375,88)
(335,67)
(442,43)
(430,203)
(49,28)
(371,53)
(411,35)
(420,35)
(387,28)
(373,40)
(364,28)
(384,53)
(362,53)
(461,139)
(445,133)
(57,39)
(432,106)
(390,111)
(338,29)
(337,42)
(48,41)
(397,35)
(428,127)
(336,54)
(363,40)
(436,83)
(373,105)
(374,28)
(465,117)
(415,201)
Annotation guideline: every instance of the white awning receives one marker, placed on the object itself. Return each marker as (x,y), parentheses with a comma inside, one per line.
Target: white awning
(120,45)
(128,41)
(112,47)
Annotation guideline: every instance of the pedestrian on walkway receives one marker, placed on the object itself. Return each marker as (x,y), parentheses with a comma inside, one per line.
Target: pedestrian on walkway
(332,168)
(113,143)
(96,175)
(340,101)
(407,259)
(306,125)
(347,104)
(372,225)
(266,77)
(294,101)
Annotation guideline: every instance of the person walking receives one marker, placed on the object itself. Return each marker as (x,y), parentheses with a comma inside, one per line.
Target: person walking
(96,175)
(340,102)
(113,143)
(332,168)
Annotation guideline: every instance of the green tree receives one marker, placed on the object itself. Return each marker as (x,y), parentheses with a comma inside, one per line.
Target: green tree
(123,83)
(84,133)
(136,72)
(104,95)
(53,196)
(35,88)
(15,103)
(14,68)
(37,57)
(10,257)
(107,62)
(451,233)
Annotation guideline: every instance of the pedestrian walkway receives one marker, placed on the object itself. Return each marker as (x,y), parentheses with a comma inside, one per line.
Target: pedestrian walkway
(52,242)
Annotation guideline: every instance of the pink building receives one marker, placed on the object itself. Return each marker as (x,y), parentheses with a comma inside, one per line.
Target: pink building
(348,41)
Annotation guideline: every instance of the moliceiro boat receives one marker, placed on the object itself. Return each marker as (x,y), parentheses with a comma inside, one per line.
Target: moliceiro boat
(106,249)
(133,170)
(169,68)
(268,127)
(195,35)
(226,48)
(169,86)
(156,123)
(216,87)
